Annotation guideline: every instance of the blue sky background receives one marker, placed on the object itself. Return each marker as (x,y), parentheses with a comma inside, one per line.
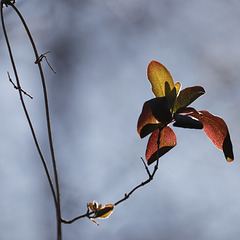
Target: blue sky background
(100,50)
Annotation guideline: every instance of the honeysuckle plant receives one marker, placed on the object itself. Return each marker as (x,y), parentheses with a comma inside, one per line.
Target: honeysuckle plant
(171,105)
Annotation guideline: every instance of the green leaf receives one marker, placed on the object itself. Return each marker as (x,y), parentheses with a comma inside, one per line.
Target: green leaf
(158,75)
(187,96)
(167,142)
(216,129)
(155,114)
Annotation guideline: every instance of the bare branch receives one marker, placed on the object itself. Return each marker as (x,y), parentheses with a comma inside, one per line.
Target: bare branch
(56,196)
(88,214)
(25,108)
(49,131)
(150,178)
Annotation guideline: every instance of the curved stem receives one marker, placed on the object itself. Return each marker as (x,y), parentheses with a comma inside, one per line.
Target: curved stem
(127,195)
(25,109)
(48,122)
(87,214)
(150,176)
(57,195)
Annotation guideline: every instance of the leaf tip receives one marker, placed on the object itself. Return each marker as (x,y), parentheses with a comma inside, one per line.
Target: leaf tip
(229,159)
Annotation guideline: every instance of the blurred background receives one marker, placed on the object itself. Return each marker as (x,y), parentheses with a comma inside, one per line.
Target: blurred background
(100,50)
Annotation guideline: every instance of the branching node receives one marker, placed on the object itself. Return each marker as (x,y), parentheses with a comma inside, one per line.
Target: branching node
(41,58)
(16,87)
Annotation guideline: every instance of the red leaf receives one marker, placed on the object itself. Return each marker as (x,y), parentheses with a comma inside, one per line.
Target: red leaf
(216,129)
(167,142)
(155,114)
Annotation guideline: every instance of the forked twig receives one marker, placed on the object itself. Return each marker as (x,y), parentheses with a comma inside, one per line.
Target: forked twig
(87,214)
(145,165)
(41,58)
(17,88)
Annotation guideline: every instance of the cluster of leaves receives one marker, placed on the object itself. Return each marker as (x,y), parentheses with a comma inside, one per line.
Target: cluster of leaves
(171,105)
(99,211)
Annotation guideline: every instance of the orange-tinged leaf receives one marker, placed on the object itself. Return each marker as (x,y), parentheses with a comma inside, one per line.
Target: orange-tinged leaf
(216,129)
(167,142)
(105,212)
(90,205)
(178,87)
(187,96)
(158,75)
(94,206)
(147,123)
(155,114)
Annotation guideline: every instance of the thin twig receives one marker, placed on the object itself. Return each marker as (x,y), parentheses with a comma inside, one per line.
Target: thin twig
(150,176)
(41,58)
(127,195)
(145,165)
(87,214)
(16,87)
